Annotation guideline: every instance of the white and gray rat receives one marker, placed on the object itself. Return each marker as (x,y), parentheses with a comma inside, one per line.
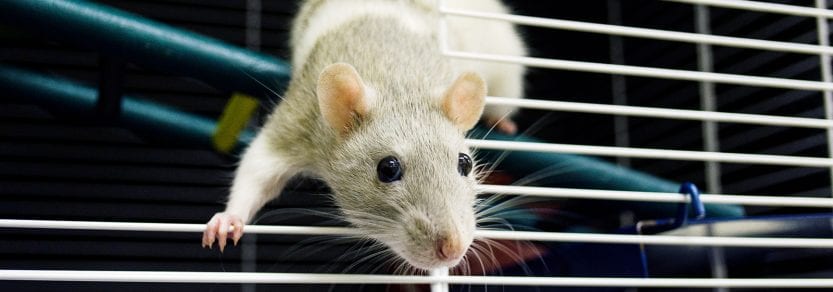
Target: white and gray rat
(379,114)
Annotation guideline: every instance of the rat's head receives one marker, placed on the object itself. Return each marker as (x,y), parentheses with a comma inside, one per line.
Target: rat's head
(401,171)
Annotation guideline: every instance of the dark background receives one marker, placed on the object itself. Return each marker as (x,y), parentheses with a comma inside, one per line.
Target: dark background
(59,168)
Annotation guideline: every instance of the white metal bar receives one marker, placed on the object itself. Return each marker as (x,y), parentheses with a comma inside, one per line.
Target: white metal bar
(653,153)
(443,42)
(658,239)
(762,7)
(439,286)
(823,243)
(810,202)
(661,112)
(707,100)
(172,227)
(823,33)
(645,71)
(442,29)
(659,34)
(304,278)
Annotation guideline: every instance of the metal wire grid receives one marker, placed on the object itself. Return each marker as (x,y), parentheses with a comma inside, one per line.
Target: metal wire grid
(440,279)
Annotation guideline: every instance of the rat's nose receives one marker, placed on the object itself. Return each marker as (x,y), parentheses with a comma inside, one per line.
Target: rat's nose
(449,248)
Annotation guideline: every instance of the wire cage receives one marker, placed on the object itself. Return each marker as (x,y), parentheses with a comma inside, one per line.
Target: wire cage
(625,101)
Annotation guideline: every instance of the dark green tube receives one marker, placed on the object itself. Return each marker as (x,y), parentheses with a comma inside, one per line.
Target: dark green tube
(157,120)
(588,172)
(150,43)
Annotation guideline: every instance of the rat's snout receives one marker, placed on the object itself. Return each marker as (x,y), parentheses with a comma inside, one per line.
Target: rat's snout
(450,248)
(429,244)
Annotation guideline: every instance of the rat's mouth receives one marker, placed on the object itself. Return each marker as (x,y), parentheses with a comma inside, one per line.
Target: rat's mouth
(432,264)
(429,258)
(423,241)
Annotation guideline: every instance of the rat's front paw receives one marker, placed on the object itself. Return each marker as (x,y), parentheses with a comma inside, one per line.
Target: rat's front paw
(219,227)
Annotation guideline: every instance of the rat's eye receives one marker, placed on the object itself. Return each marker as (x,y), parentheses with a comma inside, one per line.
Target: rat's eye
(464,164)
(389,169)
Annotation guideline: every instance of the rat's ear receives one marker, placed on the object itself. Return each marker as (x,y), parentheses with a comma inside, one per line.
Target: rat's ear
(342,97)
(463,102)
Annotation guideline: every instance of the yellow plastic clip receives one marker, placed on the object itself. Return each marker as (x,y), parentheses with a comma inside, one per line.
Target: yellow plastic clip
(237,113)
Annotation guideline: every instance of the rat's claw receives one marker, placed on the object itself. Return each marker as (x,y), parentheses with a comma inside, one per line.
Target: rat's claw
(237,232)
(209,233)
(222,233)
(219,228)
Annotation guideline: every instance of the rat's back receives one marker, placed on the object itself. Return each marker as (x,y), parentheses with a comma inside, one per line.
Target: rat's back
(318,18)
(419,21)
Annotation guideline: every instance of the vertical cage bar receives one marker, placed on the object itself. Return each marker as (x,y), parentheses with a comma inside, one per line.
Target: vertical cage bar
(110,88)
(253,24)
(617,82)
(705,63)
(707,100)
(248,251)
(439,287)
(442,30)
(443,47)
(823,39)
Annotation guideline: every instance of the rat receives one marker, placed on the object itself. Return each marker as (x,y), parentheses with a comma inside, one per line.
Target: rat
(379,114)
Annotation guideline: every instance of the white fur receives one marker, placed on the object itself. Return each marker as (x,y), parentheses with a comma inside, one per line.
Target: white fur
(260,177)
(490,37)
(333,14)
(464,34)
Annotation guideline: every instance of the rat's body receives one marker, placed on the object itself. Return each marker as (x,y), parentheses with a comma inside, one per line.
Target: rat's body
(378,113)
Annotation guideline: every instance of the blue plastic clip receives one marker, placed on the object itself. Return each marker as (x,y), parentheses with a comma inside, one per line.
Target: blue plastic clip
(682,217)
(663,225)
(694,202)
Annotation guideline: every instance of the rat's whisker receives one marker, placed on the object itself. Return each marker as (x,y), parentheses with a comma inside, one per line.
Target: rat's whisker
(366,258)
(476,251)
(511,203)
(504,153)
(355,248)
(285,214)
(547,172)
(483,205)
(513,255)
(311,245)
(369,250)
(261,83)
(491,264)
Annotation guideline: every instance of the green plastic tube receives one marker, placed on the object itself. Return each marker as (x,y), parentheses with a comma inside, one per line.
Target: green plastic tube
(156,120)
(149,43)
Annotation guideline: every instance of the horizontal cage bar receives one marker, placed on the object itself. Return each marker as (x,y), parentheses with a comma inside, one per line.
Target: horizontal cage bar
(652,153)
(660,73)
(658,197)
(822,243)
(309,278)
(679,114)
(648,33)
(762,7)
